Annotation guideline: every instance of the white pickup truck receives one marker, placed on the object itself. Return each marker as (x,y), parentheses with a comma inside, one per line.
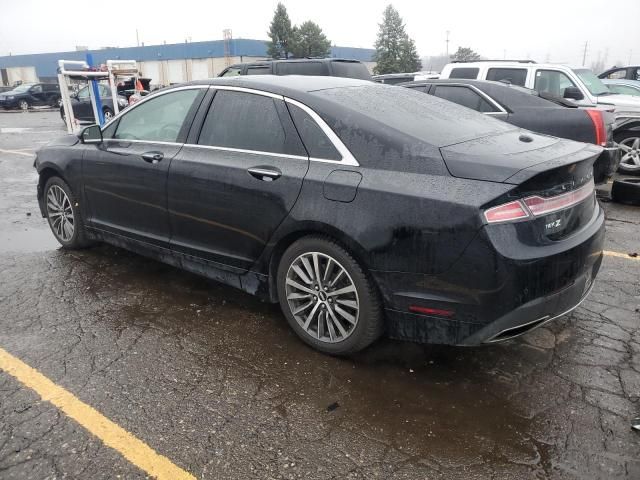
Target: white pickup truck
(576,83)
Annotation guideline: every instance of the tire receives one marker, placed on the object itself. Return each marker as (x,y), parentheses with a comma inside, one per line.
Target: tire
(63,214)
(329,329)
(629,142)
(626,191)
(23,105)
(56,102)
(108,114)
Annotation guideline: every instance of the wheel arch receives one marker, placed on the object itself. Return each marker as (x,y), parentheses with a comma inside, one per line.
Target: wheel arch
(308,229)
(629,127)
(43,177)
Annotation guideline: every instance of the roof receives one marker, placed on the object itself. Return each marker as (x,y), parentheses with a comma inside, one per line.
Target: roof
(287,85)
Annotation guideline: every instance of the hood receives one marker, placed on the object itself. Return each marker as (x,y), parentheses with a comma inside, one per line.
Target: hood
(501,157)
(68,140)
(628,102)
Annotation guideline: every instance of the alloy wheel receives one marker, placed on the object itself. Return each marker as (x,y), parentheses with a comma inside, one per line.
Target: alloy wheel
(108,115)
(24,105)
(60,213)
(630,160)
(322,297)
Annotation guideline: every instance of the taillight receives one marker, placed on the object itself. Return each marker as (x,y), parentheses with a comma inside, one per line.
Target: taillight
(536,205)
(597,118)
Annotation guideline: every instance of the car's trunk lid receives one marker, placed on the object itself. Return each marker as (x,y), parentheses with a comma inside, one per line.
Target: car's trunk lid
(513,156)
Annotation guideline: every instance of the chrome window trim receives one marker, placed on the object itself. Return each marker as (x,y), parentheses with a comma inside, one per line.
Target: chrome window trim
(347,157)
(484,96)
(242,150)
(150,97)
(246,90)
(126,140)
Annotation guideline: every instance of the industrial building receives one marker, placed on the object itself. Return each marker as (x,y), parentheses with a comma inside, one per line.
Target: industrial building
(164,64)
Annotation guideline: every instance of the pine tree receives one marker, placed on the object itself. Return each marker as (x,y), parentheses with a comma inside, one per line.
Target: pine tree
(465,54)
(310,41)
(395,51)
(281,34)
(409,58)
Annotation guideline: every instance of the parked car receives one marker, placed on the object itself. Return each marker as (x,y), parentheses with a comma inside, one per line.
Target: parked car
(333,67)
(361,208)
(619,73)
(534,111)
(29,95)
(576,83)
(83,110)
(396,78)
(623,87)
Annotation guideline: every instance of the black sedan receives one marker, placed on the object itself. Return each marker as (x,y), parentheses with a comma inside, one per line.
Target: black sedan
(361,208)
(534,111)
(83,109)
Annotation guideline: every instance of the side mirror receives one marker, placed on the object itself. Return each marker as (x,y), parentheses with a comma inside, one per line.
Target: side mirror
(91,134)
(573,93)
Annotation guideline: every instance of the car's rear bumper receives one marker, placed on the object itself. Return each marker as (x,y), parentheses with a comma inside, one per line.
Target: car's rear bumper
(606,164)
(493,297)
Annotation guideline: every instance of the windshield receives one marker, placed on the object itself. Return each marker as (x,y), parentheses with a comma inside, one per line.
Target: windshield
(593,83)
(22,88)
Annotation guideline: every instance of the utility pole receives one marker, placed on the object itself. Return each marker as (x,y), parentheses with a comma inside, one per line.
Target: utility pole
(630,52)
(584,55)
(447,41)
(137,38)
(227,37)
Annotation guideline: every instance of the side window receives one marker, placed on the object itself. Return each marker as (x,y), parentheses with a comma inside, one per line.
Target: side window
(104,91)
(259,70)
(302,68)
(552,82)
(464,96)
(617,74)
(515,76)
(231,72)
(158,119)
(245,121)
(317,143)
(83,93)
(36,89)
(464,72)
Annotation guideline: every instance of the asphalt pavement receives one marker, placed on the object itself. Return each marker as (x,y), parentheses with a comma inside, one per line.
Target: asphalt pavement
(214,381)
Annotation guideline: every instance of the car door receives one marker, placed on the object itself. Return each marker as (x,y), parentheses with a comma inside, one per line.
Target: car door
(236,180)
(81,104)
(37,95)
(125,176)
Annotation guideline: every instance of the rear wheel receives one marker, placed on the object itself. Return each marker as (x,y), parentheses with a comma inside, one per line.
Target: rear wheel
(328,299)
(629,143)
(626,191)
(24,105)
(108,114)
(63,214)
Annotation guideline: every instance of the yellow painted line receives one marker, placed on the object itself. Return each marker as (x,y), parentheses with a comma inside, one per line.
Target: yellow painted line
(620,255)
(112,435)
(17,152)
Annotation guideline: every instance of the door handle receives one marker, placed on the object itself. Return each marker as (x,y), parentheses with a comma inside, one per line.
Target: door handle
(266,174)
(152,157)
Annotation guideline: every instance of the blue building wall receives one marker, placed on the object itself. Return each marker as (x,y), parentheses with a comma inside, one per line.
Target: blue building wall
(47,63)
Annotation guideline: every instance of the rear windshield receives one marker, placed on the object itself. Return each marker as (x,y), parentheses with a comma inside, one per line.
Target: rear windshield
(429,119)
(350,70)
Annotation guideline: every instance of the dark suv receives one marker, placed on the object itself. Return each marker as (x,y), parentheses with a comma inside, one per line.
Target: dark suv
(31,95)
(327,67)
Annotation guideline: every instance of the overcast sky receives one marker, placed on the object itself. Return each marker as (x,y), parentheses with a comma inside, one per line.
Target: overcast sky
(553,30)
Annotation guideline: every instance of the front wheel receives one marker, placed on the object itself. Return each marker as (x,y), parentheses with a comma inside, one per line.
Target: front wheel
(63,214)
(24,105)
(629,143)
(327,298)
